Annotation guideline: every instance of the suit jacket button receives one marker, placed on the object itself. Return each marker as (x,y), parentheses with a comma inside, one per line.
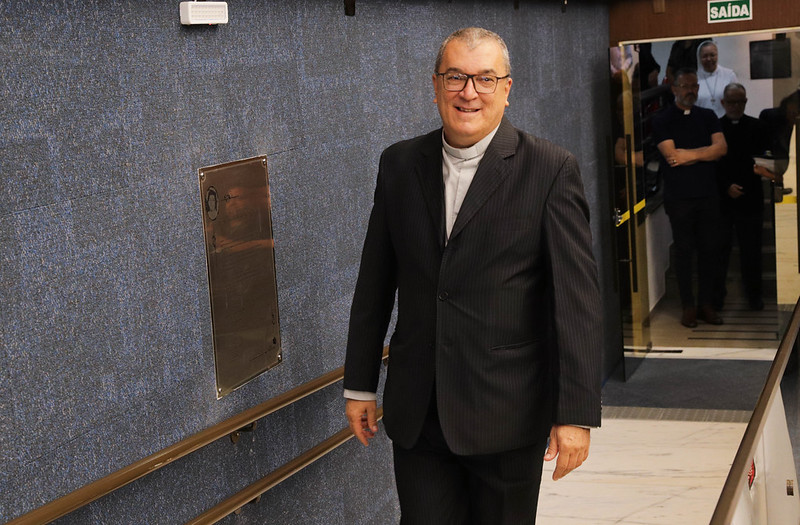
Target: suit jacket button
(443,296)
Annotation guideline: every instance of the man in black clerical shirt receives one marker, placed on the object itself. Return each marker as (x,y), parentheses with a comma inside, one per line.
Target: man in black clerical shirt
(690,140)
(742,204)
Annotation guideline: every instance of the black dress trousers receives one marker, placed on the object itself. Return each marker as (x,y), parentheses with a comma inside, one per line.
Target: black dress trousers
(437,487)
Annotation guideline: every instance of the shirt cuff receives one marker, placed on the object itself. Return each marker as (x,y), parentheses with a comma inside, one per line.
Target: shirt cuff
(358,395)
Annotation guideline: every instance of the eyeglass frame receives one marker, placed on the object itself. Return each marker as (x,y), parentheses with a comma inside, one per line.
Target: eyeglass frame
(471,77)
(737,102)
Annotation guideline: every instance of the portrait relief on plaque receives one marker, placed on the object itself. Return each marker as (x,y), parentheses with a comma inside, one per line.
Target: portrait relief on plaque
(240,254)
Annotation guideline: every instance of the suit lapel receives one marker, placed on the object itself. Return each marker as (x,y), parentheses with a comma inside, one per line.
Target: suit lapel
(429,173)
(492,172)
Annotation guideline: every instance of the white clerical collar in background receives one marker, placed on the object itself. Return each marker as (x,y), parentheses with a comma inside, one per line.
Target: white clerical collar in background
(476,150)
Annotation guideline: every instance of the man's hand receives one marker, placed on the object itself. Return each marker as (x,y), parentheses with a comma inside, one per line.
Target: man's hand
(361,415)
(571,445)
(683,157)
(686,157)
(764,172)
(735,191)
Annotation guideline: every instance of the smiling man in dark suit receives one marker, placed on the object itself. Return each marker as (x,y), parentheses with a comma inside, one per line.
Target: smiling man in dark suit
(483,233)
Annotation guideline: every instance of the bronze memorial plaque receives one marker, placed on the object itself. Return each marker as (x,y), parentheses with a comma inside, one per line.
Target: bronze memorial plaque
(237,224)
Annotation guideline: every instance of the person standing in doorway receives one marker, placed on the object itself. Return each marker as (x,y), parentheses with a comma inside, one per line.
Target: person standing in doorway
(780,123)
(742,193)
(690,141)
(682,54)
(712,78)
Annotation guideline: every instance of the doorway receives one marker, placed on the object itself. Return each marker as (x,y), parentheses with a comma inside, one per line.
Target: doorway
(767,64)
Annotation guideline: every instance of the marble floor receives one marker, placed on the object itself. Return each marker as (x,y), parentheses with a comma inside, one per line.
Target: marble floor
(649,472)
(664,459)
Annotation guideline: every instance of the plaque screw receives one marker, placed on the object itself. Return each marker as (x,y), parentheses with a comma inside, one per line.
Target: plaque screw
(202,176)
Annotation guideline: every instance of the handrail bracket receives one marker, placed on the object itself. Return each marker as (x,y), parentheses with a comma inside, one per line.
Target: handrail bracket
(236,434)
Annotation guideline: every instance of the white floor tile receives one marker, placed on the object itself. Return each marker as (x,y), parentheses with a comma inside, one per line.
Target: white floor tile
(644,472)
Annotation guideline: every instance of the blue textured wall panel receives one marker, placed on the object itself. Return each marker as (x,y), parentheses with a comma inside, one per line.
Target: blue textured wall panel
(108,110)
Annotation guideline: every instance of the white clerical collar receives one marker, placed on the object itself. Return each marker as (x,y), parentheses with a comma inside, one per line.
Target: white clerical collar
(476,150)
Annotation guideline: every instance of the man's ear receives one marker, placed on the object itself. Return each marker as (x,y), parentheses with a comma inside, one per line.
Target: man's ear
(508,90)
(435,95)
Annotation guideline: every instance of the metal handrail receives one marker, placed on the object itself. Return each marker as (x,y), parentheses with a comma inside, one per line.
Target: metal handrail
(726,505)
(118,479)
(254,491)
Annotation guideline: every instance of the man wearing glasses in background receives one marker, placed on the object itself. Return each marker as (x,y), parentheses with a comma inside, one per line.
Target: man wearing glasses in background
(483,233)
(690,140)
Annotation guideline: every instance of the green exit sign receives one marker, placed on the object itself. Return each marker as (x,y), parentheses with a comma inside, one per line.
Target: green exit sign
(729,11)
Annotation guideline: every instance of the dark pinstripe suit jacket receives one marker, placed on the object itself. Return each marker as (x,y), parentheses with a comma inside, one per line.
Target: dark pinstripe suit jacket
(503,320)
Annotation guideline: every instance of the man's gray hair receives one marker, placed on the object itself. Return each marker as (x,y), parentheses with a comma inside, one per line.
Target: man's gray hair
(731,87)
(472,37)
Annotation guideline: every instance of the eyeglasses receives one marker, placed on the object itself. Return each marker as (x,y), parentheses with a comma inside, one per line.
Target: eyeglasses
(689,86)
(485,84)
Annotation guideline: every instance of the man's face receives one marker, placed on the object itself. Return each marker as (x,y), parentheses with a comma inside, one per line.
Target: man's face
(468,116)
(685,90)
(734,102)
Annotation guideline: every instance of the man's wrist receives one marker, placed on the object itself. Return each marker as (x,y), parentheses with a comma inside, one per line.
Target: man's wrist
(360,395)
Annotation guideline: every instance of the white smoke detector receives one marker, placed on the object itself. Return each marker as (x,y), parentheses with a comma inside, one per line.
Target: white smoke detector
(194,13)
